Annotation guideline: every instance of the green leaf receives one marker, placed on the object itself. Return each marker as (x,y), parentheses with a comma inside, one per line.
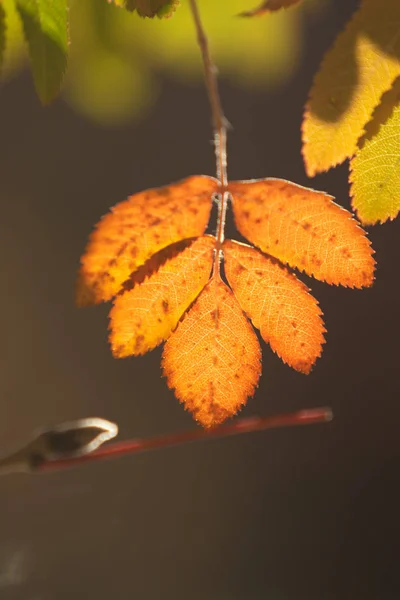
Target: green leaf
(45,25)
(375,174)
(268,6)
(2,32)
(163,9)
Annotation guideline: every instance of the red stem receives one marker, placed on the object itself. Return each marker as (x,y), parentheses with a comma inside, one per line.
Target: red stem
(116,449)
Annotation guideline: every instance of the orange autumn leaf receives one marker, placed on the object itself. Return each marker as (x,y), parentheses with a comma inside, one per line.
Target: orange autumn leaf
(305,229)
(145,316)
(143,254)
(212,360)
(268,6)
(277,303)
(139,227)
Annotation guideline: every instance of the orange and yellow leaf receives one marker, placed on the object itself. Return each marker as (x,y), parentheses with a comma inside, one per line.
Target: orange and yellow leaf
(362,64)
(305,229)
(212,360)
(136,229)
(277,303)
(145,316)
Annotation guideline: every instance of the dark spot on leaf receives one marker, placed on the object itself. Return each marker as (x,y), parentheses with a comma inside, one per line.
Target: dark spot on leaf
(316,261)
(139,342)
(108,240)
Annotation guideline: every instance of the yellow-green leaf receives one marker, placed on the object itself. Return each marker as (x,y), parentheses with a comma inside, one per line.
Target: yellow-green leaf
(45,25)
(362,64)
(150,8)
(268,6)
(2,32)
(375,174)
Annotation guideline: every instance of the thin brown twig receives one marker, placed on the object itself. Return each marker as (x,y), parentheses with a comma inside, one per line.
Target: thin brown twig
(219,126)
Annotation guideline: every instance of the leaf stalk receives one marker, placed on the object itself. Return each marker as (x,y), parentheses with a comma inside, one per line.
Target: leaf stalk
(220,129)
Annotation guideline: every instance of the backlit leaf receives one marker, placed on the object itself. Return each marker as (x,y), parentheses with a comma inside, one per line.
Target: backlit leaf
(144,316)
(277,303)
(305,229)
(45,25)
(13,43)
(2,32)
(139,227)
(150,8)
(212,360)
(268,6)
(362,64)
(375,174)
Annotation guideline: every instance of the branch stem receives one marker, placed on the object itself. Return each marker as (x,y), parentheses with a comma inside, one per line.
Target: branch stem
(219,126)
(116,449)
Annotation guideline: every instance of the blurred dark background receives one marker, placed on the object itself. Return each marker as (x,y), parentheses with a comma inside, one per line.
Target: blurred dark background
(308,513)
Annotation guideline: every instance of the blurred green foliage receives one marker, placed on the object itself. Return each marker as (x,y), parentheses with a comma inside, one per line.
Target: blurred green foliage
(45,25)
(2,31)
(116,58)
(150,8)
